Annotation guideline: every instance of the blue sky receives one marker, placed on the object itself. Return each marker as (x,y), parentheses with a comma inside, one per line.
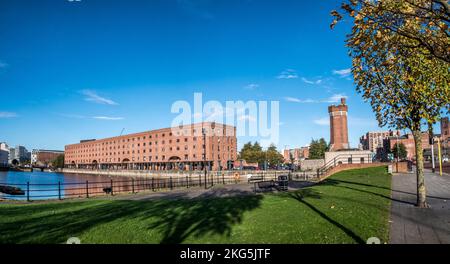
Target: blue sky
(88,69)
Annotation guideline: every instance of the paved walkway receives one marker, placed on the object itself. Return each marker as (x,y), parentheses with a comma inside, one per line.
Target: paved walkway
(200,192)
(412,225)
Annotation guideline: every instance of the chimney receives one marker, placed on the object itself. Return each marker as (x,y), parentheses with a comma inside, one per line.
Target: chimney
(342,101)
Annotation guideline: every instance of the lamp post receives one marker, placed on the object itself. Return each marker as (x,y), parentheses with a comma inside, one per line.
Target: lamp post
(440,158)
(213,126)
(204,152)
(433,166)
(398,156)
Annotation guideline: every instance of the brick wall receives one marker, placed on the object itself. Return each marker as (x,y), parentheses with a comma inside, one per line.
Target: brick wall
(345,167)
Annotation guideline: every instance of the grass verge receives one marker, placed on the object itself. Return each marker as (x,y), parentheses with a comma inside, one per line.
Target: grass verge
(349,207)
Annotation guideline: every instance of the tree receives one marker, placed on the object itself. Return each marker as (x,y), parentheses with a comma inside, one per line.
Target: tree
(58,162)
(273,156)
(430,17)
(318,148)
(252,153)
(291,158)
(399,151)
(400,65)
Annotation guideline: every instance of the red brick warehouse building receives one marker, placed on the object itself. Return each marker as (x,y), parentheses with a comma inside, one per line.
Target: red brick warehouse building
(189,147)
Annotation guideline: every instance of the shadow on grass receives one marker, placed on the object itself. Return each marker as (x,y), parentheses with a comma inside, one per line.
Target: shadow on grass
(175,219)
(334,181)
(337,183)
(312,194)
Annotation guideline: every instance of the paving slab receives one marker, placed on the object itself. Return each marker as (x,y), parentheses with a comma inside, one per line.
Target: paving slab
(412,225)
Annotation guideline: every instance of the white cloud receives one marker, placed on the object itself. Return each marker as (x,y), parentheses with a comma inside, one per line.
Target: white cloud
(288,74)
(301,101)
(7,115)
(335,98)
(107,118)
(251,86)
(325,121)
(342,73)
(292,99)
(310,81)
(92,96)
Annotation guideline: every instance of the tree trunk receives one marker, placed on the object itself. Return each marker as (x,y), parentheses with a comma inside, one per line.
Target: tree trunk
(421,191)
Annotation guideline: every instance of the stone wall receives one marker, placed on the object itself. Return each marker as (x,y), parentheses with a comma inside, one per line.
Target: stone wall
(312,164)
(344,167)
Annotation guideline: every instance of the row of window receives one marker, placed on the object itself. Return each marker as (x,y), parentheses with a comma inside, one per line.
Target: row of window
(186,148)
(144,159)
(136,139)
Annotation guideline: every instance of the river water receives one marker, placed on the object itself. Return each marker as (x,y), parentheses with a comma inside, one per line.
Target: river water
(49,185)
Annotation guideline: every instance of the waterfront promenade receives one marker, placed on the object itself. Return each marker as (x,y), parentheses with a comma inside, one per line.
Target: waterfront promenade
(412,225)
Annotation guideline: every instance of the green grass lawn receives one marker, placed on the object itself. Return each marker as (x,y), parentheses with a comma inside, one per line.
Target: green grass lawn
(349,207)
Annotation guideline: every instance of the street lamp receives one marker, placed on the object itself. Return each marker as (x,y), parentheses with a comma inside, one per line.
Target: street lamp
(433,166)
(439,155)
(398,156)
(213,138)
(204,152)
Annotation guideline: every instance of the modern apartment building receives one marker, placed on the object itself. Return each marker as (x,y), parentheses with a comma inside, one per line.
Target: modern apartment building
(18,154)
(4,154)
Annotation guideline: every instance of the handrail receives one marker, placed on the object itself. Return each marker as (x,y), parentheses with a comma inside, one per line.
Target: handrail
(336,160)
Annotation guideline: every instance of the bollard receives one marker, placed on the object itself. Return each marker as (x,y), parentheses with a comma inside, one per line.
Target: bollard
(171,183)
(112,190)
(187,181)
(153,184)
(87,189)
(132,185)
(223,178)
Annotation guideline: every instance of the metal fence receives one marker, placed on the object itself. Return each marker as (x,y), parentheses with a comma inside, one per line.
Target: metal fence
(62,190)
(304,176)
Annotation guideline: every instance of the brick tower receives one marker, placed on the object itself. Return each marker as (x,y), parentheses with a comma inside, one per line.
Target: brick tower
(338,126)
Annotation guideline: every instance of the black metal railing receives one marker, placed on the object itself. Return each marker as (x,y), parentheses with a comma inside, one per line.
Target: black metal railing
(315,175)
(63,190)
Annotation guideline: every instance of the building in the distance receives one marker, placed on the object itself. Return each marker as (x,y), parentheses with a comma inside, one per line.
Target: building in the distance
(409,143)
(189,147)
(18,155)
(375,142)
(43,157)
(4,154)
(338,126)
(296,155)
